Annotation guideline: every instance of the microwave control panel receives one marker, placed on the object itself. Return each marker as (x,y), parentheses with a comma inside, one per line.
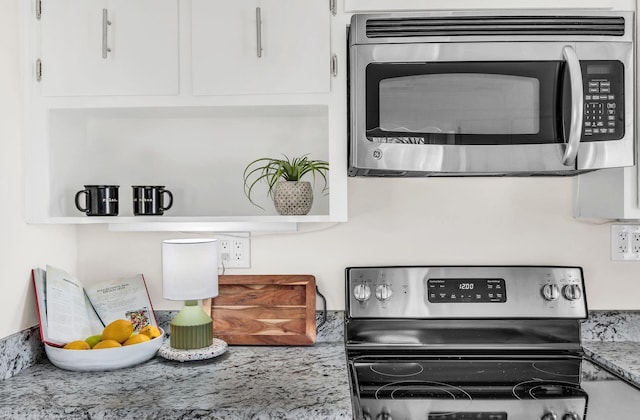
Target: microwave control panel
(603,100)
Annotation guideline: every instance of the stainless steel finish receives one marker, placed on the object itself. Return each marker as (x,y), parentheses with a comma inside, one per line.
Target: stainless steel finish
(38,9)
(387,159)
(571,416)
(334,65)
(549,416)
(577,106)
(407,294)
(258,32)
(515,408)
(550,292)
(105,32)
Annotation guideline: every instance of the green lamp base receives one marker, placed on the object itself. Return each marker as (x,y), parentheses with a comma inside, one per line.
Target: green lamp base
(191,328)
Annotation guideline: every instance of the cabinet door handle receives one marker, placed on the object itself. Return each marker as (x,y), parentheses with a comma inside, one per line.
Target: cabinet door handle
(334,65)
(105,31)
(258,32)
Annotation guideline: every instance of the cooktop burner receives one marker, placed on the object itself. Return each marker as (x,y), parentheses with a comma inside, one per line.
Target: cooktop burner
(421,389)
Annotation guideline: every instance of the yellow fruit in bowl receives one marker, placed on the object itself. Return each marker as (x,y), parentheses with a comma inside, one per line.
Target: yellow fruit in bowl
(119,330)
(136,339)
(93,340)
(151,331)
(77,345)
(107,344)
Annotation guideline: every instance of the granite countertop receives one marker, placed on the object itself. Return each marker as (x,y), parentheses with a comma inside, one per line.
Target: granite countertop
(256,382)
(620,357)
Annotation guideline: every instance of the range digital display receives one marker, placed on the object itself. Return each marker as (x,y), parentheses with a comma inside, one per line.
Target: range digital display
(466,290)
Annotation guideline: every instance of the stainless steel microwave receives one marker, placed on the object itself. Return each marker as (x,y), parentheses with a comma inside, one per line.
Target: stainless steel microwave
(491,93)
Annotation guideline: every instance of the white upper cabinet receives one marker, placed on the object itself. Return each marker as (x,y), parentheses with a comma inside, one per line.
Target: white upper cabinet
(260,46)
(109,47)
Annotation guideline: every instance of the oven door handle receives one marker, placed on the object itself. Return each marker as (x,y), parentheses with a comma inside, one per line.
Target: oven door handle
(577,106)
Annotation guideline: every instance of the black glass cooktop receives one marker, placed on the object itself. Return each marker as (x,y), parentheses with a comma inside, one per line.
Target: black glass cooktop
(487,388)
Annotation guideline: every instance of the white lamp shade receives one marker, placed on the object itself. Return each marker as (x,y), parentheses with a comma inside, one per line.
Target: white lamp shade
(189,269)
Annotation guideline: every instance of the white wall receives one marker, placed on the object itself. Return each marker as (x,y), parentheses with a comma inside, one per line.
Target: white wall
(409,221)
(22,247)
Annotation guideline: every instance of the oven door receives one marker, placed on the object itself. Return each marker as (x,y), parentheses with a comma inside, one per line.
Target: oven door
(490,108)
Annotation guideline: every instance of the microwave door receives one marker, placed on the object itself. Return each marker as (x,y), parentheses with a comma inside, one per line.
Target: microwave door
(485,109)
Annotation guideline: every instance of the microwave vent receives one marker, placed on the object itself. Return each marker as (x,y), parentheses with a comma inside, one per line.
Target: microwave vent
(408,27)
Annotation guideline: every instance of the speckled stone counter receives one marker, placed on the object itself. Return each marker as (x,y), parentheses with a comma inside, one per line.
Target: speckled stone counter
(612,339)
(620,357)
(245,383)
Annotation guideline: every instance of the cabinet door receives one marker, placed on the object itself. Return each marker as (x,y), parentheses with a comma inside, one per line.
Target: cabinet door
(294,36)
(109,47)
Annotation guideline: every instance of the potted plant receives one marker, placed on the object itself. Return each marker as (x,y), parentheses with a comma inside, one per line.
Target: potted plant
(290,195)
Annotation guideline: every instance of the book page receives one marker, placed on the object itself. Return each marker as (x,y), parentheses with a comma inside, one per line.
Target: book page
(123,299)
(67,315)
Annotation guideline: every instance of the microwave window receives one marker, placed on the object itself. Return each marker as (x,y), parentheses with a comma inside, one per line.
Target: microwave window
(460,103)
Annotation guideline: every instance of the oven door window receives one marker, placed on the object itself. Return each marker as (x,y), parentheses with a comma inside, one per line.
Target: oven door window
(465,103)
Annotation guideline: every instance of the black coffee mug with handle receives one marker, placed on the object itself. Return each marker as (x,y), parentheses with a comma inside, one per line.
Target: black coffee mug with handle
(99,200)
(149,200)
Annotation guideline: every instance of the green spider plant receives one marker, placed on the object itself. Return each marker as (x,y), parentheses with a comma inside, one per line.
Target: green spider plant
(271,170)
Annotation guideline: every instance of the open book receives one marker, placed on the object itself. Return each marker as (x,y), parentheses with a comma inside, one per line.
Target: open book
(70,311)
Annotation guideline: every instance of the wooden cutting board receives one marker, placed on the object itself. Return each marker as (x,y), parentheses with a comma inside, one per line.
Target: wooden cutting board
(265,309)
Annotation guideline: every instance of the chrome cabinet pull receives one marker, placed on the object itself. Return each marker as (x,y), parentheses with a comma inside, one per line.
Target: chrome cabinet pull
(258,32)
(105,31)
(334,65)
(577,106)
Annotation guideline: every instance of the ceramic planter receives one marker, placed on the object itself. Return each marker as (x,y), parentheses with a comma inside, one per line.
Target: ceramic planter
(293,198)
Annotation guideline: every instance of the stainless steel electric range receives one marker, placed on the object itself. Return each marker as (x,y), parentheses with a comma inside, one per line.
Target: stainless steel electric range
(475,343)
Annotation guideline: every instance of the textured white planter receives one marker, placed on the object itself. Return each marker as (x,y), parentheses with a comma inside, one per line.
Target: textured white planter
(293,197)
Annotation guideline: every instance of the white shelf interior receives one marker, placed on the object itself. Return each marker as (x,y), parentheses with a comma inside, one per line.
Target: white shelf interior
(198,153)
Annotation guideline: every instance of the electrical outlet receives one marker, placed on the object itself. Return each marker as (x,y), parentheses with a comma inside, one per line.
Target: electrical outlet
(625,242)
(234,250)
(635,243)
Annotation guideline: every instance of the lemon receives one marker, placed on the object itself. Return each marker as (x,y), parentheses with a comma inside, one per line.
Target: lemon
(151,331)
(107,344)
(136,339)
(77,345)
(93,340)
(119,330)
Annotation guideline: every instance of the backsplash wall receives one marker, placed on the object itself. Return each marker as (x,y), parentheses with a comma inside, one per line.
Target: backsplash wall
(408,222)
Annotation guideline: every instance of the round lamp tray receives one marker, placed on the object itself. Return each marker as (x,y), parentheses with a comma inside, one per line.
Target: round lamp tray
(216,348)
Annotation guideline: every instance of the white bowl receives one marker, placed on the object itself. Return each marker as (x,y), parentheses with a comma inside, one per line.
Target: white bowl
(103,359)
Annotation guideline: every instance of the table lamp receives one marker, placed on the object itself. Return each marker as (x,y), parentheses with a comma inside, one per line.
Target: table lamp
(190,273)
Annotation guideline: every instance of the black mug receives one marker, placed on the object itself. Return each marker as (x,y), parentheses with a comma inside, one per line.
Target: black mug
(148,200)
(99,200)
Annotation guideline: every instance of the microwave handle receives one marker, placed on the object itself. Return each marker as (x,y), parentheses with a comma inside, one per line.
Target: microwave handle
(577,106)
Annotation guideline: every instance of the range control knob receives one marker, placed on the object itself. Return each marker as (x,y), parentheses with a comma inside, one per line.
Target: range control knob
(549,416)
(550,292)
(572,292)
(362,292)
(384,416)
(383,292)
(571,416)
